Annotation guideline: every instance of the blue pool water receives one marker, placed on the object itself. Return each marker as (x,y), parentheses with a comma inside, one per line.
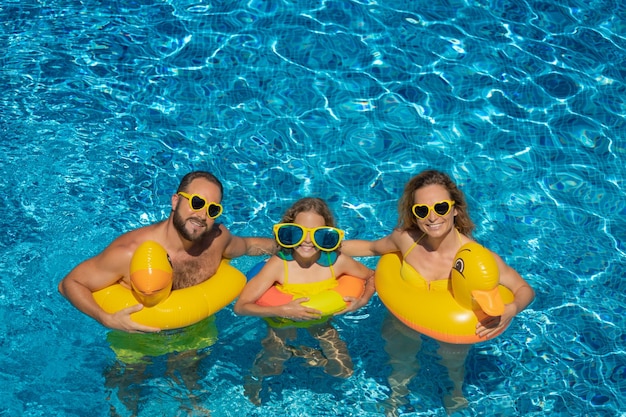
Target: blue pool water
(104,106)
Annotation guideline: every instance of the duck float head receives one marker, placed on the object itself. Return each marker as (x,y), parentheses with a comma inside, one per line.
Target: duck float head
(475,278)
(150,274)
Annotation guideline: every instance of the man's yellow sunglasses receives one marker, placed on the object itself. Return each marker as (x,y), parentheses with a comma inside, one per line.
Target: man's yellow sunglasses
(197,203)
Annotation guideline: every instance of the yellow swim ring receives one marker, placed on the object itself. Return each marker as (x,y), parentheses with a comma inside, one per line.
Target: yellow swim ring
(446,310)
(179,308)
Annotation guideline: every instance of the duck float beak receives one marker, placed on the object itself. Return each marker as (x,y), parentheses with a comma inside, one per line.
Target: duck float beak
(150,274)
(490,301)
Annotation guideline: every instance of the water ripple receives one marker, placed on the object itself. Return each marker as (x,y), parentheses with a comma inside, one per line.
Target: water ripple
(106,105)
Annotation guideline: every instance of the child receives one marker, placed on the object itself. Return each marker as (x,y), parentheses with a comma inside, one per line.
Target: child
(309,262)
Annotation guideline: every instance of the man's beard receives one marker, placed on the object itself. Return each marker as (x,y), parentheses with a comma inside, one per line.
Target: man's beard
(179,225)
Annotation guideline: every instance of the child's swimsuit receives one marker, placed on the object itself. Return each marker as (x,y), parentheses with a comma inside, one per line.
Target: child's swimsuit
(307,289)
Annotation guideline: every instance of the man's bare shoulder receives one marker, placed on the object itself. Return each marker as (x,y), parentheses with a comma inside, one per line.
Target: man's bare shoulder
(129,241)
(223,232)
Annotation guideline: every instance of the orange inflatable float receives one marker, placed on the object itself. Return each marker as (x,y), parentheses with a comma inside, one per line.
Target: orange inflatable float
(446,310)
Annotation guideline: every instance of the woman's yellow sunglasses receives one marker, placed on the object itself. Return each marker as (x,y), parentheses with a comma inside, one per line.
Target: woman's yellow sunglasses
(197,203)
(441,208)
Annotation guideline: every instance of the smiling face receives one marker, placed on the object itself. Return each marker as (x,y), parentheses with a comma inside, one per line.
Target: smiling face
(434,225)
(194,225)
(308,219)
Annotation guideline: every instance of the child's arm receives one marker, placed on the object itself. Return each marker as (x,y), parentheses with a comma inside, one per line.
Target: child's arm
(347,266)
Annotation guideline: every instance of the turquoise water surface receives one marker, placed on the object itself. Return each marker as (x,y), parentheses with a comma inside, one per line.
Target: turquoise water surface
(105,105)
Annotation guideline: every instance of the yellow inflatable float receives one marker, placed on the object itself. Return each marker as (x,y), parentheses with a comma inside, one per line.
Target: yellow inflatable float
(151,282)
(446,310)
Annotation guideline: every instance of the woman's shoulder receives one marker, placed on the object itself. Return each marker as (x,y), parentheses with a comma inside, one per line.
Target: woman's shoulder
(464,238)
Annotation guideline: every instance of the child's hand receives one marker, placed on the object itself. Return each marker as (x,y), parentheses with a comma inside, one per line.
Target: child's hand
(294,310)
(352,304)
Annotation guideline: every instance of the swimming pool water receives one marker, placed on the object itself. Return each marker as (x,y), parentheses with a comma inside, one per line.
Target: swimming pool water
(104,106)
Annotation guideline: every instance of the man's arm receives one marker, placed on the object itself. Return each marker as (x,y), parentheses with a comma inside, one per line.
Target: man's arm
(101,271)
(254,246)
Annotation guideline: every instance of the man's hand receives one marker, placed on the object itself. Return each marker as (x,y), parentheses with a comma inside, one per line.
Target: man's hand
(122,321)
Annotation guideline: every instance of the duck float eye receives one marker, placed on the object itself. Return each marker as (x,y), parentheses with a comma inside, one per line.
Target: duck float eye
(459,265)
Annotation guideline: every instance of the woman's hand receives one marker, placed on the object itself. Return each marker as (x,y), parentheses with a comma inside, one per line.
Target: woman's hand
(491,326)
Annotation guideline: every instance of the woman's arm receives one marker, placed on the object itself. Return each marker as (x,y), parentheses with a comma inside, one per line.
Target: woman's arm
(358,247)
(523,295)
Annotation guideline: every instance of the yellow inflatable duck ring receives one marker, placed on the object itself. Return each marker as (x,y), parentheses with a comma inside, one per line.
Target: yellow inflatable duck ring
(446,310)
(151,285)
